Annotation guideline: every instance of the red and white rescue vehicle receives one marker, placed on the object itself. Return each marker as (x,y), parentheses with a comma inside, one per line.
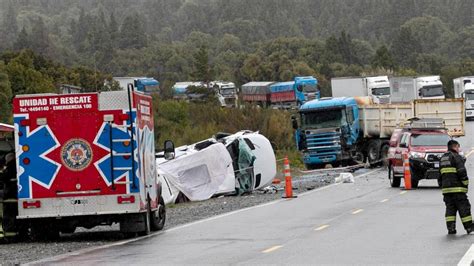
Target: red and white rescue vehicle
(87,159)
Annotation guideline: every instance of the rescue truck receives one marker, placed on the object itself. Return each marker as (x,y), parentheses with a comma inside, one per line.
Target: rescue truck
(86,159)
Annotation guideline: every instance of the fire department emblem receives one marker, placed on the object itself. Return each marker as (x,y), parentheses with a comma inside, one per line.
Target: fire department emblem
(76,154)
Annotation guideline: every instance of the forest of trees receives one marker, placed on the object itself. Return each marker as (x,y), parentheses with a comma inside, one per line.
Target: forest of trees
(45,43)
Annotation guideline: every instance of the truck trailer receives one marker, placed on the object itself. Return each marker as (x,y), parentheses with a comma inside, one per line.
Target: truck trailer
(86,159)
(281,95)
(139,83)
(406,89)
(353,129)
(464,88)
(378,88)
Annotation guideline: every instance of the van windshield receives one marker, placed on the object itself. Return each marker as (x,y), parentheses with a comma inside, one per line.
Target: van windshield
(431,91)
(381,91)
(429,140)
(323,119)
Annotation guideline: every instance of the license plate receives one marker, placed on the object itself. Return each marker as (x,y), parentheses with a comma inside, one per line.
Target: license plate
(436,165)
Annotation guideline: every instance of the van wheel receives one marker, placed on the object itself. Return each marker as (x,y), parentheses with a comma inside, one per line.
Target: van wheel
(394,180)
(158,217)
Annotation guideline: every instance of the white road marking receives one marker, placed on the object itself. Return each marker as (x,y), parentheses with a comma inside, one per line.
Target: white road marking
(357,211)
(403,192)
(384,200)
(272,249)
(468,258)
(124,242)
(470,153)
(322,227)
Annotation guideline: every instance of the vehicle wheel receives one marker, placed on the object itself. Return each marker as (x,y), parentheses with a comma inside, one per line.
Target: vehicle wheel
(68,230)
(44,231)
(394,180)
(373,152)
(414,182)
(384,155)
(359,157)
(158,217)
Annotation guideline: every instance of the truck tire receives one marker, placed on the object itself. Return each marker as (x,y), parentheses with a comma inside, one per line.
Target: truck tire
(394,180)
(158,217)
(384,155)
(373,152)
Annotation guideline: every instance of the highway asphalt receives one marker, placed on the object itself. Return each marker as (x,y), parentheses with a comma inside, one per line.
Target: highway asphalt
(366,222)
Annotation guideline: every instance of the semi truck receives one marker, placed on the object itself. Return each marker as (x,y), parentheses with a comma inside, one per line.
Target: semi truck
(464,88)
(406,89)
(84,160)
(378,88)
(281,95)
(139,83)
(225,91)
(353,129)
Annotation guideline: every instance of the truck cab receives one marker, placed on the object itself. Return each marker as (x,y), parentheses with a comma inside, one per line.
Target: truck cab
(306,88)
(329,128)
(226,92)
(378,88)
(425,141)
(142,84)
(430,87)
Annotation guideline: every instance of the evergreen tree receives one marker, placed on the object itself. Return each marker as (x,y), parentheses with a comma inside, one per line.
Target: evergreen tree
(383,58)
(23,40)
(9,29)
(40,42)
(132,33)
(113,29)
(202,68)
(405,47)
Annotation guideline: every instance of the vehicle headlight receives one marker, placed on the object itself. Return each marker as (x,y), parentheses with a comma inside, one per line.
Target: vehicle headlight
(416,155)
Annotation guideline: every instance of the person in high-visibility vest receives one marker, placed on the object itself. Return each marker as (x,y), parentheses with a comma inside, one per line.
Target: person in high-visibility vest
(454,184)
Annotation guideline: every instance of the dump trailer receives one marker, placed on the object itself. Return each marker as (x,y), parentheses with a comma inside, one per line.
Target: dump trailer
(86,159)
(348,129)
(378,88)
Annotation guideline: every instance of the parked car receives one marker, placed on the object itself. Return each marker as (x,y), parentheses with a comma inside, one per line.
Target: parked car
(425,141)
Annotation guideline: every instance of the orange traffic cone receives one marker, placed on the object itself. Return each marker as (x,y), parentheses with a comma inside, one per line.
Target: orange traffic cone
(288,185)
(406,171)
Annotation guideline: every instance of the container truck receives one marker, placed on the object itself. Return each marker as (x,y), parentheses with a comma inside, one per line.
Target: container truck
(257,92)
(464,88)
(378,88)
(281,95)
(139,83)
(84,160)
(406,89)
(348,129)
(226,93)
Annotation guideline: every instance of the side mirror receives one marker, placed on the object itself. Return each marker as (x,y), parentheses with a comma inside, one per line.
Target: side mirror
(169,150)
(294,122)
(299,88)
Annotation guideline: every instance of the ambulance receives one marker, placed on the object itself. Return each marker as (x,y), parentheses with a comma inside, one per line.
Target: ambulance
(85,160)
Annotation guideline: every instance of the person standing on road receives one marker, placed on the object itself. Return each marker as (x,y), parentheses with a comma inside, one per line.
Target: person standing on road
(454,183)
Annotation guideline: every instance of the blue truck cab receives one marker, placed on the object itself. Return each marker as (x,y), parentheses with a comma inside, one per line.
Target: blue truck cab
(329,129)
(306,89)
(146,84)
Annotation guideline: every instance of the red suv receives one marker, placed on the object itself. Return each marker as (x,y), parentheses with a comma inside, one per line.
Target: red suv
(424,146)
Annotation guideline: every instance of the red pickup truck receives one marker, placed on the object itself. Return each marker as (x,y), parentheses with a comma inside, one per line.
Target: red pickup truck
(424,147)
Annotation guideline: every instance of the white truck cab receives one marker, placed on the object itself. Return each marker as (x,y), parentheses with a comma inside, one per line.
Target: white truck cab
(378,88)
(464,88)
